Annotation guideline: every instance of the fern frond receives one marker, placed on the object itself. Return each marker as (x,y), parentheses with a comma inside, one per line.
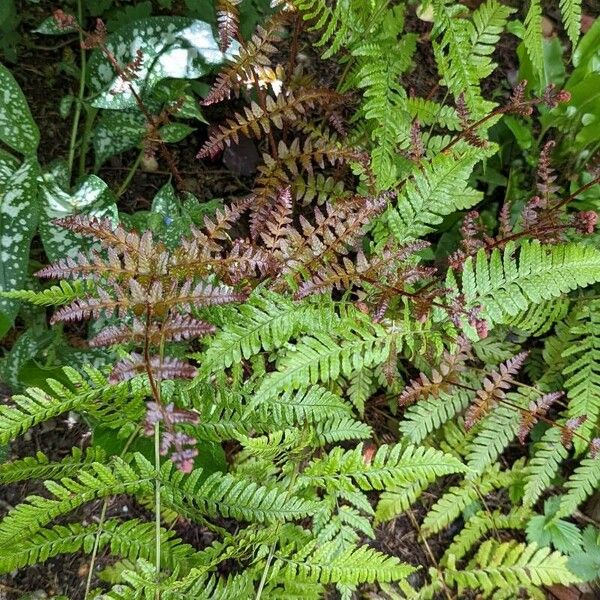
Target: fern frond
(511,565)
(391,465)
(228,21)
(252,55)
(230,496)
(437,189)
(457,498)
(98,481)
(55,295)
(480,524)
(285,108)
(130,539)
(571,16)
(424,417)
(40,467)
(322,358)
(353,566)
(533,38)
(583,483)
(503,285)
(582,371)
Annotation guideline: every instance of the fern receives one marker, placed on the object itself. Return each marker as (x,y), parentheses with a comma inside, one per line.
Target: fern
(571,16)
(582,372)
(533,39)
(503,285)
(40,467)
(583,483)
(55,295)
(439,189)
(510,565)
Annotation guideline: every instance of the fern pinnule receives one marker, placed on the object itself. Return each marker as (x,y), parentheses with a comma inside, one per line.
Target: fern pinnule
(493,390)
(277,227)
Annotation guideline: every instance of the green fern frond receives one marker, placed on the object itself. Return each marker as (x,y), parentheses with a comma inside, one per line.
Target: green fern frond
(479,525)
(130,539)
(428,112)
(539,318)
(99,481)
(571,16)
(503,286)
(543,467)
(309,405)
(437,189)
(424,417)
(228,495)
(583,483)
(582,372)
(353,566)
(511,565)
(40,467)
(56,295)
(321,357)
(265,322)
(533,38)
(391,465)
(457,498)
(397,500)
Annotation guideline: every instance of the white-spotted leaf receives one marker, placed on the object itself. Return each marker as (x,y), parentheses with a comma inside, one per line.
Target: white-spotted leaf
(92,198)
(17,127)
(116,132)
(19,212)
(172,47)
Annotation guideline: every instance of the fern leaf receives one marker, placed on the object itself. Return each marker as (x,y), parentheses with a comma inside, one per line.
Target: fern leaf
(391,465)
(582,372)
(533,38)
(543,467)
(571,16)
(510,564)
(55,295)
(582,484)
(40,467)
(353,566)
(503,285)
(436,190)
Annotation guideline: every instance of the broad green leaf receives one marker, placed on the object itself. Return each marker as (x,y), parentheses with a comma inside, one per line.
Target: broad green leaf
(49,27)
(175,132)
(166,218)
(17,127)
(92,198)
(176,47)
(19,211)
(116,132)
(8,165)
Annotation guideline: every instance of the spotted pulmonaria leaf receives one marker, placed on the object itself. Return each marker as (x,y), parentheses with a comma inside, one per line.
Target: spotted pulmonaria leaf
(17,127)
(166,218)
(171,47)
(19,212)
(92,198)
(117,132)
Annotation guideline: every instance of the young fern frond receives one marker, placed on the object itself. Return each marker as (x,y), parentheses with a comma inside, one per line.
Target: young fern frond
(584,481)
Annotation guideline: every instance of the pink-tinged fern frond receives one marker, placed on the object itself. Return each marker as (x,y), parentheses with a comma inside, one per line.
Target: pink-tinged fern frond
(184,327)
(570,427)
(278,225)
(494,389)
(253,55)
(167,368)
(85,308)
(536,409)
(228,22)
(200,295)
(286,108)
(446,376)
